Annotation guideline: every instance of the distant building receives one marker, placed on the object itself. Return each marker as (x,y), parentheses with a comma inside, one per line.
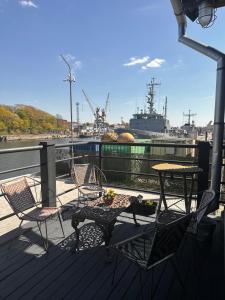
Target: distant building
(62,123)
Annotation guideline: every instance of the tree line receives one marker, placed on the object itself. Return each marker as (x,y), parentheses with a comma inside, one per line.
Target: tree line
(28,119)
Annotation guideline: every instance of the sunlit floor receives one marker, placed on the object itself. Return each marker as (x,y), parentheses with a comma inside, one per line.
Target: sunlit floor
(27,272)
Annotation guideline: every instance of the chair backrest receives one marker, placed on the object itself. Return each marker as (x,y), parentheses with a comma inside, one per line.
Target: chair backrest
(205,203)
(84,174)
(167,239)
(204,208)
(18,194)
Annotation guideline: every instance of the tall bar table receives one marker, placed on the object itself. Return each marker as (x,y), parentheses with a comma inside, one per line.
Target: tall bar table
(166,169)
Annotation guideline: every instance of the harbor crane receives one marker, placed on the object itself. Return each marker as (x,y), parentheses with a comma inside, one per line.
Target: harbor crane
(99,114)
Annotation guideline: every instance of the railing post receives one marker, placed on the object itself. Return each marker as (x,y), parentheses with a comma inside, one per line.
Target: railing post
(203,163)
(100,156)
(48,174)
(100,160)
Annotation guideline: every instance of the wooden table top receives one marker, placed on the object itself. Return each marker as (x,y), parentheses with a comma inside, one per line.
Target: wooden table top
(175,168)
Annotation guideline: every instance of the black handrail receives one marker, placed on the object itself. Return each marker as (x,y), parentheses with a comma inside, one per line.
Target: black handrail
(21,149)
(19,169)
(169,145)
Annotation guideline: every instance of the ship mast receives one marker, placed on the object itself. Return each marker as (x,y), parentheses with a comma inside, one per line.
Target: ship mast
(166,107)
(151,95)
(189,115)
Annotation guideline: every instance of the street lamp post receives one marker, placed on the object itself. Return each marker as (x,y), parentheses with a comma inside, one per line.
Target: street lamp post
(70,78)
(204,12)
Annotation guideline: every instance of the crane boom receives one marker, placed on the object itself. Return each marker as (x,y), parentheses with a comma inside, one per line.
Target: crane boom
(89,102)
(107,103)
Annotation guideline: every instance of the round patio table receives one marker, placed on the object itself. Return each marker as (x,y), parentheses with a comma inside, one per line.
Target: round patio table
(175,169)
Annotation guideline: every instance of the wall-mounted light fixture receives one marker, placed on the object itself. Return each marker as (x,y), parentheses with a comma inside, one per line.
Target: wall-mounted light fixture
(202,11)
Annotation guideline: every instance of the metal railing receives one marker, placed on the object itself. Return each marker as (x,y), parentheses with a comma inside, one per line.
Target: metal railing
(48,162)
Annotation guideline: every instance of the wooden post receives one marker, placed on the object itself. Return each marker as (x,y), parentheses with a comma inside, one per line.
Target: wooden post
(48,174)
(203,163)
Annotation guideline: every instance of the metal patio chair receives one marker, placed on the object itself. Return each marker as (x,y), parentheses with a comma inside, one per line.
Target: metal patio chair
(153,247)
(88,179)
(199,232)
(162,241)
(18,194)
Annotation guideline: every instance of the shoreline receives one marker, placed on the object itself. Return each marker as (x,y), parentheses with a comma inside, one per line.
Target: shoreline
(26,137)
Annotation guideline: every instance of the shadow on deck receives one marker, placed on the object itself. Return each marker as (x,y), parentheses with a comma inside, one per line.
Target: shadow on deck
(26,272)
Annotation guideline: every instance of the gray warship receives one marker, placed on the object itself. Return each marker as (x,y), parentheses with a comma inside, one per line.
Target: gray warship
(149,122)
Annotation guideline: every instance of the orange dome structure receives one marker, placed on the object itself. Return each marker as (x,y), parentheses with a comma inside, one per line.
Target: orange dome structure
(125,138)
(109,137)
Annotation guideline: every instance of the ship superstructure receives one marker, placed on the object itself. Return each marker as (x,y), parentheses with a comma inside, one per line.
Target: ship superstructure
(150,120)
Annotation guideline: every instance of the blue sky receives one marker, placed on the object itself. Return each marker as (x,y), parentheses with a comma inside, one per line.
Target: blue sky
(115,46)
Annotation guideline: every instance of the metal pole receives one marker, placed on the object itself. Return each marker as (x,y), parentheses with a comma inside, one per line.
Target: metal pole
(71,116)
(70,79)
(71,107)
(218,130)
(48,174)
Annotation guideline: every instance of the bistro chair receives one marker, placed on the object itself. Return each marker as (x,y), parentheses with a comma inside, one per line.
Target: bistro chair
(160,244)
(88,179)
(154,247)
(20,198)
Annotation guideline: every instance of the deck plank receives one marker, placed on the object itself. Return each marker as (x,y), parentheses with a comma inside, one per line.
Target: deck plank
(41,287)
(28,273)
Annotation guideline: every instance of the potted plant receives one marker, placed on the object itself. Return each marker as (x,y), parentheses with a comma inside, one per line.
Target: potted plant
(109,196)
(143,207)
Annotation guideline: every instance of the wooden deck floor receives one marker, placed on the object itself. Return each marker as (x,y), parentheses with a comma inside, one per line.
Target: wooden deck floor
(26,272)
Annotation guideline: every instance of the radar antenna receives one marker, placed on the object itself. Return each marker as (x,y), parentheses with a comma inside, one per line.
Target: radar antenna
(189,115)
(151,95)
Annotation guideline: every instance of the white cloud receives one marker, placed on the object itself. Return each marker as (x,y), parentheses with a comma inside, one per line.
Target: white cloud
(137,61)
(155,63)
(27,3)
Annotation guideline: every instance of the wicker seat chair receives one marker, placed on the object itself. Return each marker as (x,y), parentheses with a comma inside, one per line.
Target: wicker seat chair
(151,248)
(88,179)
(20,198)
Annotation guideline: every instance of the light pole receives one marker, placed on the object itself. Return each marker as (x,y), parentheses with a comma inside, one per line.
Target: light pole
(204,12)
(70,78)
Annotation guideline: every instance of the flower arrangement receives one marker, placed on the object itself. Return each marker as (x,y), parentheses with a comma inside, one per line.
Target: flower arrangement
(149,202)
(109,196)
(143,207)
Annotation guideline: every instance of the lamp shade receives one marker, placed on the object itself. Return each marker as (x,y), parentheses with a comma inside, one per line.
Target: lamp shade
(205,13)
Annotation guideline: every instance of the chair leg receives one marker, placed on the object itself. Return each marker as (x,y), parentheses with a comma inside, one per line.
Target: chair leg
(78,199)
(46,234)
(21,223)
(44,240)
(39,227)
(60,221)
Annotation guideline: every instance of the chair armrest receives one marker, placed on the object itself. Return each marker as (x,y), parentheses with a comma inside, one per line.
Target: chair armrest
(58,200)
(100,171)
